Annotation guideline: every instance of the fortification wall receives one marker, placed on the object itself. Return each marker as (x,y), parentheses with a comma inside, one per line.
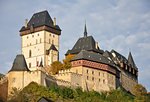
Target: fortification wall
(3,89)
(127,82)
(20,79)
(64,75)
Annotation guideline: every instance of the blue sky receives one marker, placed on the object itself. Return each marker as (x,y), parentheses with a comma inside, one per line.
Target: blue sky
(123,25)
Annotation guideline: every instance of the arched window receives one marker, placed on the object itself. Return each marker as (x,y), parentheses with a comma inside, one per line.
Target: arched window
(30,53)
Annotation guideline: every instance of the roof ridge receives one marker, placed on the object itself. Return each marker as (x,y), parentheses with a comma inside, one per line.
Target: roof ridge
(40,12)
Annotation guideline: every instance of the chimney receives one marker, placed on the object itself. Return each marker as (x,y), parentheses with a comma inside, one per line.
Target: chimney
(96,45)
(26,22)
(54,21)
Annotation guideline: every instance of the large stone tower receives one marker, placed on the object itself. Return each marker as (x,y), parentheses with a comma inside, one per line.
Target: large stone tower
(40,40)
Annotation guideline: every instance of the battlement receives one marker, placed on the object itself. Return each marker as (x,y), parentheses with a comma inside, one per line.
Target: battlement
(3,80)
(67,72)
(64,71)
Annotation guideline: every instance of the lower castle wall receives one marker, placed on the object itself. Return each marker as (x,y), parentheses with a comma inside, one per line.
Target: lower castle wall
(3,91)
(87,79)
(127,82)
(20,79)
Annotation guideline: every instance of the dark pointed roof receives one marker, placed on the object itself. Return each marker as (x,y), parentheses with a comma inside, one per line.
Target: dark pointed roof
(107,54)
(44,99)
(52,47)
(85,43)
(19,64)
(40,19)
(85,31)
(95,57)
(131,61)
(120,57)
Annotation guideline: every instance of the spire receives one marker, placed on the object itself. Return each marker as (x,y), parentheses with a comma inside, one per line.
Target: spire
(85,31)
(131,61)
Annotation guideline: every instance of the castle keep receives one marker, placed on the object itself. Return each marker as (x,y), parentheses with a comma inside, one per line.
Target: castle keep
(40,40)
(92,67)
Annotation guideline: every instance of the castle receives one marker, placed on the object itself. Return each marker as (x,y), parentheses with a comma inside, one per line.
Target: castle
(92,68)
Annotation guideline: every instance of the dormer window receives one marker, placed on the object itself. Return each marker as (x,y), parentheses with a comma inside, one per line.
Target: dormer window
(31,28)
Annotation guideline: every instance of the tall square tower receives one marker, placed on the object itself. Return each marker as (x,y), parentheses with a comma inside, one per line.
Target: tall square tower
(40,40)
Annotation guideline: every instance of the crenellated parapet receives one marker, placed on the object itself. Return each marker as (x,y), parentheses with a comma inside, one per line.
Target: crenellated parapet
(3,80)
(64,71)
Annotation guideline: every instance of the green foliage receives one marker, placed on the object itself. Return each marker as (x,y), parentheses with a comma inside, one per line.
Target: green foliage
(66,62)
(15,95)
(119,96)
(33,92)
(141,93)
(56,66)
(139,90)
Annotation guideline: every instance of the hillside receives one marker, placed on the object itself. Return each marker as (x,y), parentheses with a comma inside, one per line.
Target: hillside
(33,92)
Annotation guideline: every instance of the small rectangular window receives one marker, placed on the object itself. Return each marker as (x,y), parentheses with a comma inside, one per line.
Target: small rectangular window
(92,78)
(37,63)
(29,65)
(104,81)
(49,41)
(87,77)
(87,71)
(92,72)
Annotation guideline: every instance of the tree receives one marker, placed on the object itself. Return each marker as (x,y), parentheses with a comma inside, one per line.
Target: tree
(66,61)
(15,95)
(140,93)
(55,67)
(1,75)
(33,92)
(139,90)
(119,96)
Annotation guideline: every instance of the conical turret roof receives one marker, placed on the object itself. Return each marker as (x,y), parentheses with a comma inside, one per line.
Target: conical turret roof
(131,61)
(19,64)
